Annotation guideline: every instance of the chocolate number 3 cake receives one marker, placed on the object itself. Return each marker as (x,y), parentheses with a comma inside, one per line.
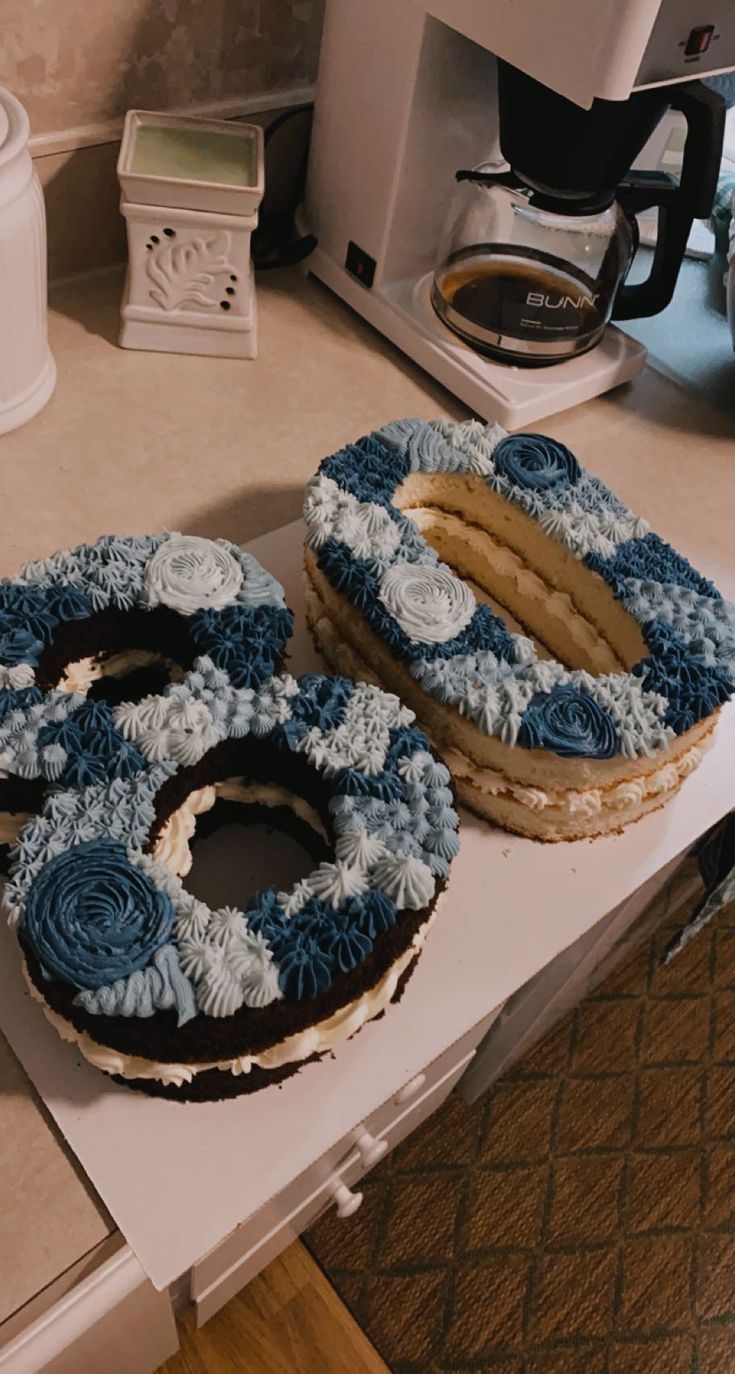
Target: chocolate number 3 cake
(568,662)
(152,985)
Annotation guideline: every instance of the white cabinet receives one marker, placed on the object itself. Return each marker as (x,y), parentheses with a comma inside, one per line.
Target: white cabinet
(330,1182)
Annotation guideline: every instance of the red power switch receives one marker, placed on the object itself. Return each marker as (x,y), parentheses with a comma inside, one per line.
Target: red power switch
(699,40)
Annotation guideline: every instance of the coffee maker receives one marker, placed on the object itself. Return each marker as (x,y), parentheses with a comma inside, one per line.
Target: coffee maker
(541,108)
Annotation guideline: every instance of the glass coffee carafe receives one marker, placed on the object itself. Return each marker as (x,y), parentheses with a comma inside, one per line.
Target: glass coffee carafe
(533,260)
(520,280)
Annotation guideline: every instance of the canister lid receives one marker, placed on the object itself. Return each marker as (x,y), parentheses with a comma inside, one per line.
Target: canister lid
(14,130)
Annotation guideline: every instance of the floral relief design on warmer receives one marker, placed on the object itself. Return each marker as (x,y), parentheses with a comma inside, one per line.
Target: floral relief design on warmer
(190,273)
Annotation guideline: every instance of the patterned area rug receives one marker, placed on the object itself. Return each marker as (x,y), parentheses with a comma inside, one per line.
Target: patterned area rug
(580,1218)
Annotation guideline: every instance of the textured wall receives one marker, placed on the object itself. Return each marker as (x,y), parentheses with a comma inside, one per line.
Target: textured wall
(76,62)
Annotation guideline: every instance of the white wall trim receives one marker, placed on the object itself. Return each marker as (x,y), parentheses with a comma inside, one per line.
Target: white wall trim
(88,135)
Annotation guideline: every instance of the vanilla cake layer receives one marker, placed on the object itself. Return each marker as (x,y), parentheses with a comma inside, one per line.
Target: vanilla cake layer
(483,536)
(521,790)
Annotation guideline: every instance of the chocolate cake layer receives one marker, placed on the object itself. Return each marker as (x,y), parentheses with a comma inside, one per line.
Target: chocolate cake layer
(251,1030)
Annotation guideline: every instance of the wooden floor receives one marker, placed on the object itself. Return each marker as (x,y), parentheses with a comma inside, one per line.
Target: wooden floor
(289,1320)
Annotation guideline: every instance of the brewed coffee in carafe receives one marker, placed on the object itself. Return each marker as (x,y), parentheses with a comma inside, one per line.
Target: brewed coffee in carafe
(515,298)
(536,250)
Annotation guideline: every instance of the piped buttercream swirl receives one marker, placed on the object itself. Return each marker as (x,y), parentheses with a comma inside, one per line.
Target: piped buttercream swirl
(569,722)
(430,604)
(336,883)
(168,727)
(188,573)
(159,987)
(408,881)
(230,965)
(537,462)
(92,917)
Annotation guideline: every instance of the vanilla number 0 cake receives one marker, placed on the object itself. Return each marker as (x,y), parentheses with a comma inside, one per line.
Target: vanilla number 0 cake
(568,663)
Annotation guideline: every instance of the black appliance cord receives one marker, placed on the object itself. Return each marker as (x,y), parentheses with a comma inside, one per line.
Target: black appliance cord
(275,242)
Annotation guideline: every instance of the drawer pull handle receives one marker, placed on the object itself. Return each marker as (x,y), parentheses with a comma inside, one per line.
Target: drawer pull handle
(347,1201)
(371,1150)
(410,1089)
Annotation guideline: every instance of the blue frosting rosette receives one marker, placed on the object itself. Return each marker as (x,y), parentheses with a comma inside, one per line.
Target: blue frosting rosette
(534,462)
(569,723)
(93,917)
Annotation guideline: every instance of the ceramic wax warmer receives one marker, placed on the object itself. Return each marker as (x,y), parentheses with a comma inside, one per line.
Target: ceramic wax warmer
(190,195)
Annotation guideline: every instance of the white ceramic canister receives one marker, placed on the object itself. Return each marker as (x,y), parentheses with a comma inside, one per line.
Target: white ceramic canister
(27,370)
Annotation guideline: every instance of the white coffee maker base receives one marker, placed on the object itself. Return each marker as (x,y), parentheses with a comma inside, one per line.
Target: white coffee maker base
(515,397)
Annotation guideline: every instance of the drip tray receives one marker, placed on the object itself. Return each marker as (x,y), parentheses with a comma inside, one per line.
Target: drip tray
(515,396)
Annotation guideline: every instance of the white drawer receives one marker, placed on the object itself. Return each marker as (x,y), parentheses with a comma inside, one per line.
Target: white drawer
(84,1321)
(271,1243)
(416,1088)
(422,1107)
(268,1218)
(209,1300)
(252,1233)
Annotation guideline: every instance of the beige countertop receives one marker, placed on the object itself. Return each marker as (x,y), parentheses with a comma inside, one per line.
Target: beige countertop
(133,442)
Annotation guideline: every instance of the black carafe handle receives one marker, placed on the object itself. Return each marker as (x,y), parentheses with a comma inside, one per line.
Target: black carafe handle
(679,203)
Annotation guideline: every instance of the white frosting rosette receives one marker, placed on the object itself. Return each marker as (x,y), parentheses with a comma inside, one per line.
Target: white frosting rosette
(188,573)
(430,604)
(169,727)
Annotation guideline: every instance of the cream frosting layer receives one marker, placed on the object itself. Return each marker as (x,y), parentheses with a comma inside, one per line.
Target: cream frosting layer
(172,846)
(622,797)
(503,810)
(79,676)
(317,1039)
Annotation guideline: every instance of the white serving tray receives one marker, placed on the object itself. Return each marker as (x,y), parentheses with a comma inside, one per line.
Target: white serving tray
(178,1179)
